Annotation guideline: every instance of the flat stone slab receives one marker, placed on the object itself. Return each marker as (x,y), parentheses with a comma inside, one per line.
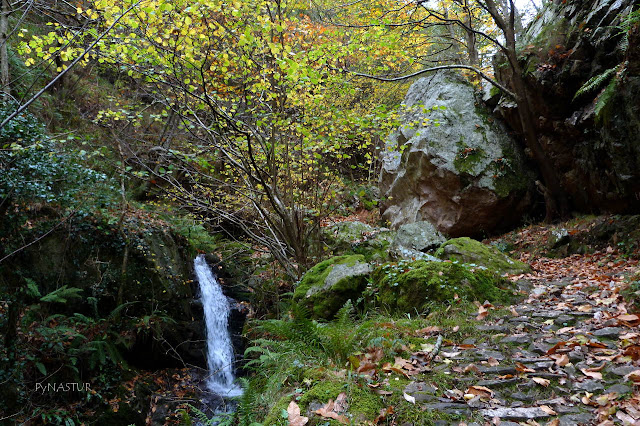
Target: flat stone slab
(547,314)
(497,383)
(519,413)
(517,338)
(589,385)
(608,332)
(497,370)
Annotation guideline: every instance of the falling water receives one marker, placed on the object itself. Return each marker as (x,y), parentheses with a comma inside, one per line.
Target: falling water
(219,348)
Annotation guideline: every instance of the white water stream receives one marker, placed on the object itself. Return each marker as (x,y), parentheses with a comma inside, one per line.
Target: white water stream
(219,349)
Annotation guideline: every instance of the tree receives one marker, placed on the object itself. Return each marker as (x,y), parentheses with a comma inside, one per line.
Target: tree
(499,32)
(250,84)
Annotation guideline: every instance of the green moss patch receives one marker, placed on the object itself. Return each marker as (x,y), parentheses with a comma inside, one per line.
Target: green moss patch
(411,287)
(469,251)
(326,287)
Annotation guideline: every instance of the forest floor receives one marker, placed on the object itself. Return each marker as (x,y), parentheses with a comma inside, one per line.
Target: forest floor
(567,354)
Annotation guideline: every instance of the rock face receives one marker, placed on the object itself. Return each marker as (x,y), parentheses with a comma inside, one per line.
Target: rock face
(466,250)
(590,135)
(326,287)
(452,164)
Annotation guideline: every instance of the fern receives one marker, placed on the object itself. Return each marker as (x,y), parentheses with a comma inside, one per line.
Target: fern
(32,288)
(595,82)
(604,100)
(62,294)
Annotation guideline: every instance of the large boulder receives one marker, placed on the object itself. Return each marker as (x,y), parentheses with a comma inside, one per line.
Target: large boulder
(468,251)
(582,72)
(413,286)
(452,164)
(326,287)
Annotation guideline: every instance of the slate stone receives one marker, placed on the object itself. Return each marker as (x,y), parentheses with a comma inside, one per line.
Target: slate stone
(496,383)
(576,419)
(564,320)
(589,385)
(522,396)
(622,370)
(496,328)
(608,332)
(547,314)
(619,389)
(517,338)
(498,369)
(519,413)
(449,407)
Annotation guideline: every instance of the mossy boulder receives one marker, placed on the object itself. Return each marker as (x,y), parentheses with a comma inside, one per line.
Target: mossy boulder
(359,238)
(326,287)
(412,286)
(467,250)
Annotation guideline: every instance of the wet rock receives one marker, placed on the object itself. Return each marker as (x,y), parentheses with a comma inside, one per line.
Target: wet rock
(498,370)
(564,320)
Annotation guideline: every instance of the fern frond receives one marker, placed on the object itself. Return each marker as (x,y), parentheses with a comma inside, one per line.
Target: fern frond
(595,82)
(62,294)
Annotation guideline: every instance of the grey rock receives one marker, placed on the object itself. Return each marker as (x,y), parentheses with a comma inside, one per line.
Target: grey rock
(496,328)
(421,391)
(449,407)
(564,320)
(521,396)
(622,370)
(576,419)
(424,181)
(619,389)
(589,386)
(519,413)
(497,383)
(517,338)
(413,239)
(498,369)
(547,314)
(608,332)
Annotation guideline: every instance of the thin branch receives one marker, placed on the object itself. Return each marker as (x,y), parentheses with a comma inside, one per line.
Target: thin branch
(428,70)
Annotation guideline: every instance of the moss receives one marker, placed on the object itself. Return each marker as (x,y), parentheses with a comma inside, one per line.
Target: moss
(323,299)
(468,158)
(412,287)
(322,392)
(275,416)
(467,250)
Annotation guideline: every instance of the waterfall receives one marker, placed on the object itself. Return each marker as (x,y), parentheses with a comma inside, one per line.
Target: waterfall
(219,348)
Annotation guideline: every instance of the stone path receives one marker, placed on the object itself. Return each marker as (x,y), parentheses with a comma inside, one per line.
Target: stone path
(567,355)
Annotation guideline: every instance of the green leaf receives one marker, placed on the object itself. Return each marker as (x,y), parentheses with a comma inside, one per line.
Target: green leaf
(40,366)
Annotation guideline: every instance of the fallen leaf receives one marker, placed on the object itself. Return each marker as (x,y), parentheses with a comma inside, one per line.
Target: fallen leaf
(560,359)
(432,329)
(584,308)
(384,412)
(541,381)
(480,391)
(554,422)
(521,368)
(456,328)
(593,374)
(548,410)
(493,362)
(295,419)
(628,317)
(409,398)
(514,312)
(634,376)
(471,367)
(555,348)
(329,412)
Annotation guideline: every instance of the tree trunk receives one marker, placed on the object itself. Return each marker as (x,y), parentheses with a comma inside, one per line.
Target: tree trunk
(4,51)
